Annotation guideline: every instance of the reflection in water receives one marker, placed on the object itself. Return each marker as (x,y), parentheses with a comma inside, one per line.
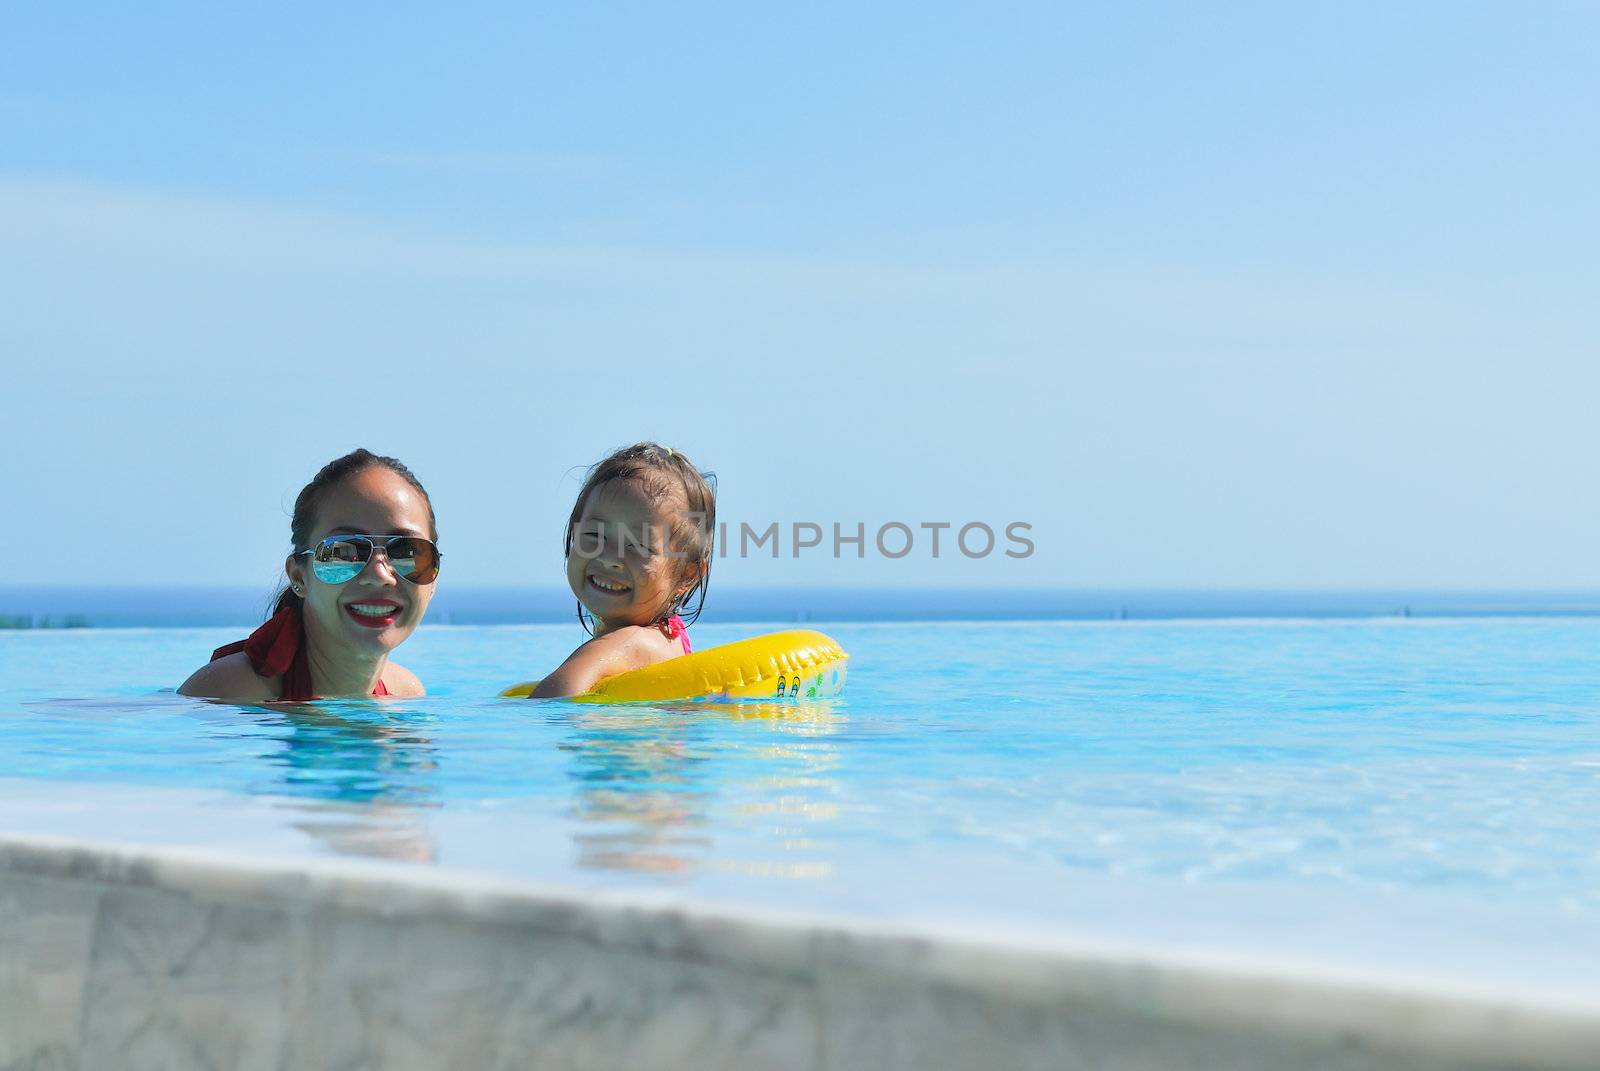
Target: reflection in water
(650,777)
(383,832)
(365,774)
(669,789)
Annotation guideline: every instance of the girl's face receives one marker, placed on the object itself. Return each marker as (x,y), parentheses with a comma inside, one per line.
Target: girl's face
(375,610)
(622,565)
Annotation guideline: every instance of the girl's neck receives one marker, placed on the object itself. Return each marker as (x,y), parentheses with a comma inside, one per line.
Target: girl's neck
(603,627)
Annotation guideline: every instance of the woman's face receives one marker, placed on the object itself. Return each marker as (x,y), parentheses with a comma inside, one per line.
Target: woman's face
(621,565)
(375,610)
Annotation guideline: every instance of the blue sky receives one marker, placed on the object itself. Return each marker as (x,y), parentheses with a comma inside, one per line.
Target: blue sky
(1244,295)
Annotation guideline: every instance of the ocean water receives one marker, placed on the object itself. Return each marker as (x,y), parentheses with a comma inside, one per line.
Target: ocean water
(136,607)
(1418,795)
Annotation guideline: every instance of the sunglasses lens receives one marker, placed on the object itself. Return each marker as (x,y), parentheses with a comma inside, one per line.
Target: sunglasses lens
(337,561)
(335,572)
(340,559)
(417,560)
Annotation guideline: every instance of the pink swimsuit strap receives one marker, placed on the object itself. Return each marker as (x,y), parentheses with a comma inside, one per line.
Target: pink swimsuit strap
(676,629)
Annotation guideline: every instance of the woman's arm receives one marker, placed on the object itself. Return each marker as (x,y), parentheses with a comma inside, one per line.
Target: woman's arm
(229,677)
(400,681)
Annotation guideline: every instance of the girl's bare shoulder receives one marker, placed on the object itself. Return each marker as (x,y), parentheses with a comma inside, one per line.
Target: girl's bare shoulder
(644,645)
(629,647)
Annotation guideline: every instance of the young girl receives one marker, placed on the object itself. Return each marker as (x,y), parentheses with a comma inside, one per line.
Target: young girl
(638,549)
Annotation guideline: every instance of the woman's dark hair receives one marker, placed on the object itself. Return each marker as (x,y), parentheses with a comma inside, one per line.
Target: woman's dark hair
(661,471)
(310,497)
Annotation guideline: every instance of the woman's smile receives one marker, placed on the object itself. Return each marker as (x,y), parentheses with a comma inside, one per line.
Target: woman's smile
(374,613)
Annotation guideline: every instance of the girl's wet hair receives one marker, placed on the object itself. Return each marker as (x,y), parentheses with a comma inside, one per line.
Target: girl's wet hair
(310,498)
(661,471)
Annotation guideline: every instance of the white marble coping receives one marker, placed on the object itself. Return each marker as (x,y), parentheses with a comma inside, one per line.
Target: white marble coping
(1387,1020)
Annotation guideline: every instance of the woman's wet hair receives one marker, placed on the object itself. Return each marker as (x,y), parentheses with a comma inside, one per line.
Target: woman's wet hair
(310,497)
(662,472)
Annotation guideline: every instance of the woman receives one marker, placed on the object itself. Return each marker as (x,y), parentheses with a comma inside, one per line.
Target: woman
(360,577)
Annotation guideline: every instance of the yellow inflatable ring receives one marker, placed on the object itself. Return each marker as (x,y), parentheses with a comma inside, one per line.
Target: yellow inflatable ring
(797,664)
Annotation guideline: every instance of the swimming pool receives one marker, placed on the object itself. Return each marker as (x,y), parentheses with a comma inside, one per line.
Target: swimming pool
(1405,795)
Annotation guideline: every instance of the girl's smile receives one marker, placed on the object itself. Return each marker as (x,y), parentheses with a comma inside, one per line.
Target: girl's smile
(608,585)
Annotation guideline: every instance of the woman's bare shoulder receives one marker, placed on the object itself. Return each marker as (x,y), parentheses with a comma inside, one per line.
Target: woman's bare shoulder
(229,677)
(398,680)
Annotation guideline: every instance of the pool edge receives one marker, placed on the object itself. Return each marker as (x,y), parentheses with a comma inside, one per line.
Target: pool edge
(156,956)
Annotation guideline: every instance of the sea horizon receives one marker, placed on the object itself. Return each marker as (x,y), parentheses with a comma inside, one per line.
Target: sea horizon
(60,606)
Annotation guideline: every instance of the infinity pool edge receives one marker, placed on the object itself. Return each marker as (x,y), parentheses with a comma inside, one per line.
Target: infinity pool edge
(158,956)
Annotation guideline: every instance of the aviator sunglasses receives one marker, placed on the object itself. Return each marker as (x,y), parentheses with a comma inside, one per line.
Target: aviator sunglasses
(340,558)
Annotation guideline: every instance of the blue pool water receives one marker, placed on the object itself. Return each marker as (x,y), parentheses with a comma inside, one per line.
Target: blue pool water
(1420,793)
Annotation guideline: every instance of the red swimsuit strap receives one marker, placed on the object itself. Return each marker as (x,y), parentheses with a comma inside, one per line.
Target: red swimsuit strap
(278,648)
